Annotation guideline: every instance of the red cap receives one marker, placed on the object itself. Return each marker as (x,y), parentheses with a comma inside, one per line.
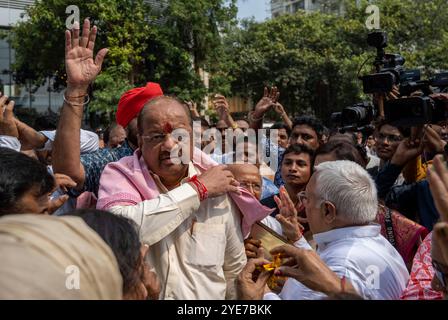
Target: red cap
(133,101)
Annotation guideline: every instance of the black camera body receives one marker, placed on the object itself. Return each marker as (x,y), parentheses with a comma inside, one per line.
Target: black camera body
(357,117)
(414,107)
(415,111)
(419,109)
(389,66)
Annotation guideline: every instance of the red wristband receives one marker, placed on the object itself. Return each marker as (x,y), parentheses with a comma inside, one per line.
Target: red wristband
(343,280)
(202,190)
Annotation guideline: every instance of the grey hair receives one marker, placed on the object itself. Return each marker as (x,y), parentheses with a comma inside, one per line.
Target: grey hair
(350,188)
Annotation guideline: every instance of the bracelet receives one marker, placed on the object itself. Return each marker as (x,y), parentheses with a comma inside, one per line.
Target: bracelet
(76,97)
(202,190)
(252,119)
(76,104)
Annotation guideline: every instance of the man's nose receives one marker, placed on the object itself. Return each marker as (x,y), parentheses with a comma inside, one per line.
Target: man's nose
(293,168)
(169,143)
(299,140)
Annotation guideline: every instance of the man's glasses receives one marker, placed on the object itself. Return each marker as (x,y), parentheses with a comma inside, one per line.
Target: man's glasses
(389,137)
(250,186)
(157,138)
(303,198)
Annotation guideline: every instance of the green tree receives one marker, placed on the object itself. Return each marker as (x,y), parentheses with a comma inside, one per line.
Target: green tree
(314,58)
(167,43)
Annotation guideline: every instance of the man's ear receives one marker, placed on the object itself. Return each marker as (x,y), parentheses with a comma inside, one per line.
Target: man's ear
(329,212)
(140,141)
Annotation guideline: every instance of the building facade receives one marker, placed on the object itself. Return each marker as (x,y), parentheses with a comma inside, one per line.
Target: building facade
(280,7)
(43,99)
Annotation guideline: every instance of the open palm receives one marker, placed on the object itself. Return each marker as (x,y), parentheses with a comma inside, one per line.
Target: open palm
(80,66)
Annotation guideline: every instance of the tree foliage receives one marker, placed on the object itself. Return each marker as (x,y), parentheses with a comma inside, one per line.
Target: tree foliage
(314,58)
(166,41)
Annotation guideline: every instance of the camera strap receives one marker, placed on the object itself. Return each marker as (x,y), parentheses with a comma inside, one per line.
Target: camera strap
(390,235)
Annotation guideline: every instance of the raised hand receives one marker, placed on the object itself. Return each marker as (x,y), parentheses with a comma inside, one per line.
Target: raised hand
(193,108)
(8,126)
(221,105)
(287,216)
(432,140)
(279,109)
(79,64)
(406,151)
(270,97)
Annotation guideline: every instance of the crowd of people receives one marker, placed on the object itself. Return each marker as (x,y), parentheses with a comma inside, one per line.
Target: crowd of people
(140,213)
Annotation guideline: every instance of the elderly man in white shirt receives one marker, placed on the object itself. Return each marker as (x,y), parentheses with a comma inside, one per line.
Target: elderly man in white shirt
(341,207)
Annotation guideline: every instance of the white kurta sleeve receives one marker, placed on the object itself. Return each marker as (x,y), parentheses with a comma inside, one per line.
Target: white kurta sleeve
(159,217)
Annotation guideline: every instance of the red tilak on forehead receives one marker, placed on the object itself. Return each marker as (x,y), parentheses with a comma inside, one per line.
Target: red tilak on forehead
(167,128)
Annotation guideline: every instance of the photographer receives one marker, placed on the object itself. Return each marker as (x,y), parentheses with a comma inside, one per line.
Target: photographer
(413,200)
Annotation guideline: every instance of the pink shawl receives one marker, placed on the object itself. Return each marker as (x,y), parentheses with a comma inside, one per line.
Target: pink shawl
(128,182)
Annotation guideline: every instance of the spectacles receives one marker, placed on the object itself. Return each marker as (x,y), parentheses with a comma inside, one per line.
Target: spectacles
(389,137)
(249,185)
(441,276)
(157,138)
(303,198)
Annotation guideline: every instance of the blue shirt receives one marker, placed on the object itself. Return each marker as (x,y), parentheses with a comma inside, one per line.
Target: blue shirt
(94,163)
(268,189)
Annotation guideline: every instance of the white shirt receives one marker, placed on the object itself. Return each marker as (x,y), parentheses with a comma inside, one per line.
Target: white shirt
(88,140)
(363,256)
(10,142)
(196,248)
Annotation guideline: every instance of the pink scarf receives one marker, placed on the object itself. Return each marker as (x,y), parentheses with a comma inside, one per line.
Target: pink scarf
(128,182)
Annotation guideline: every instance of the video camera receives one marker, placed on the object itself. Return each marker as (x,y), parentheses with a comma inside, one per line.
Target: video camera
(389,67)
(357,117)
(409,109)
(415,110)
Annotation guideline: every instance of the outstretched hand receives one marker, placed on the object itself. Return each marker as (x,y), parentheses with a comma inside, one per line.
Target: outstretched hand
(270,98)
(287,216)
(79,64)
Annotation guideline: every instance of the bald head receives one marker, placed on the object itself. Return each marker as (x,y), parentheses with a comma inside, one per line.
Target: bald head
(248,175)
(160,108)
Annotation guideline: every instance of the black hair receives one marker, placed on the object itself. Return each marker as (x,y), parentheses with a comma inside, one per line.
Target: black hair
(46,122)
(281,125)
(343,150)
(311,122)
(405,132)
(298,149)
(121,235)
(106,135)
(18,175)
